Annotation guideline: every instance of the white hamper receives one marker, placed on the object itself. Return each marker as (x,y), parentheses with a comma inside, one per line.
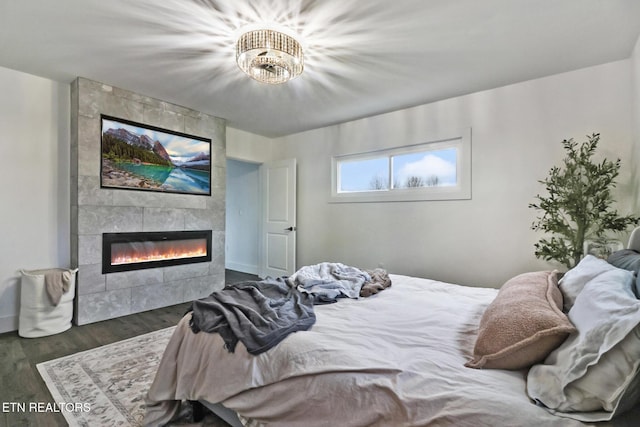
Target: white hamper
(38,317)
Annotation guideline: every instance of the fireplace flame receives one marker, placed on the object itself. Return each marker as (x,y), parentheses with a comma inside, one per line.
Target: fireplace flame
(138,252)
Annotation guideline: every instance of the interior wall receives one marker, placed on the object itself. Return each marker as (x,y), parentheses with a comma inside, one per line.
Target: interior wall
(242,216)
(248,147)
(635,84)
(516,138)
(34,218)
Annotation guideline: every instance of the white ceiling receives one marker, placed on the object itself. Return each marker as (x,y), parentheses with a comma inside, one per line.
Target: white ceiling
(362,57)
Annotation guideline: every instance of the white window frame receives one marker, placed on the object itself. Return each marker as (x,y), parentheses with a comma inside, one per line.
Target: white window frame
(460,140)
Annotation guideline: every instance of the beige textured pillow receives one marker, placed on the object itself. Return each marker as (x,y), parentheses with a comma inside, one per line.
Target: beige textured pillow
(523,324)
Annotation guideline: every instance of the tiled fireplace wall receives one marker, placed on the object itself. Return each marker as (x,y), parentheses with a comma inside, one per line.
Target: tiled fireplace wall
(96,210)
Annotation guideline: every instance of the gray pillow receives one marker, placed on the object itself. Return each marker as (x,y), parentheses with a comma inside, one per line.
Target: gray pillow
(627,259)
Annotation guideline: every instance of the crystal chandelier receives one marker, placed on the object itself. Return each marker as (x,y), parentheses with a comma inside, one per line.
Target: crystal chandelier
(269,56)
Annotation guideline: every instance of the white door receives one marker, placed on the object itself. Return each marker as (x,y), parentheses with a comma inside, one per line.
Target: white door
(278,235)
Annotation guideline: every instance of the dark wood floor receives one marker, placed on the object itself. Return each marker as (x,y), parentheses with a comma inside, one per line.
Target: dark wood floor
(20,380)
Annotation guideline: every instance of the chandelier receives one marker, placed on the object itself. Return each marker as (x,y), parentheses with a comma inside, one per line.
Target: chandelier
(269,56)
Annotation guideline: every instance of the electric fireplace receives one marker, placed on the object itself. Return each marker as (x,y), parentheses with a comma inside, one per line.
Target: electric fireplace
(136,251)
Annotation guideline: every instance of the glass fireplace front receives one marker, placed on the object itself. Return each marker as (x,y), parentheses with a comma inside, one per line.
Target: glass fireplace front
(135,251)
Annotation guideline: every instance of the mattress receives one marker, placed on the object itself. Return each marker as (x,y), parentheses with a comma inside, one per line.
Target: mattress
(393,359)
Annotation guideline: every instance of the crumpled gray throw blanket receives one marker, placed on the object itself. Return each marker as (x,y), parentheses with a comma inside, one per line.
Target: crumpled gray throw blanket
(329,281)
(259,314)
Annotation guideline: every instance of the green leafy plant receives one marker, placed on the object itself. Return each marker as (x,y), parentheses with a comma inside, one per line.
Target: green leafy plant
(578,204)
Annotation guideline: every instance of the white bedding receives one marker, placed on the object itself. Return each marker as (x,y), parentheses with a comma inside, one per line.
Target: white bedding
(393,359)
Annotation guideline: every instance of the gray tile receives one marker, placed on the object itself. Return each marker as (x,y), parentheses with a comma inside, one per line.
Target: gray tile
(108,219)
(103,305)
(130,279)
(200,287)
(217,243)
(88,161)
(154,296)
(90,193)
(201,219)
(218,178)
(90,279)
(89,94)
(163,118)
(134,97)
(89,249)
(217,264)
(186,271)
(73,244)
(217,202)
(88,146)
(161,219)
(117,106)
(153,199)
(205,126)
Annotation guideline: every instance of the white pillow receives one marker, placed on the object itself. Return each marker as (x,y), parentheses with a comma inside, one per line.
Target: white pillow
(614,377)
(575,279)
(590,377)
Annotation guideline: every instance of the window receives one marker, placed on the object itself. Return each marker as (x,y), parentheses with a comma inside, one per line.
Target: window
(435,170)
(363,175)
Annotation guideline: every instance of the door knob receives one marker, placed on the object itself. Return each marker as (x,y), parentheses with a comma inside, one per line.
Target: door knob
(290,229)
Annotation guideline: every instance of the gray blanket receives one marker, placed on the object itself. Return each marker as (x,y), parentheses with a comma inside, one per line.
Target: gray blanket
(259,314)
(380,281)
(329,281)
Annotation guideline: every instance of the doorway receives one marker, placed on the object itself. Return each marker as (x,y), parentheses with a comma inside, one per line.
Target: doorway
(243,216)
(261,217)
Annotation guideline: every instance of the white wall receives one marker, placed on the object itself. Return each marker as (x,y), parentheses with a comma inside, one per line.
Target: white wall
(34,195)
(247,146)
(243,216)
(635,84)
(516,138)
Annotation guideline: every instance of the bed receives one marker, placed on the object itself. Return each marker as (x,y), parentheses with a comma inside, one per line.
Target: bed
(396,358)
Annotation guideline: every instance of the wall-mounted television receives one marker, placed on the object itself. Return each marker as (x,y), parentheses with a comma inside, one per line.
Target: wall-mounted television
(136,156)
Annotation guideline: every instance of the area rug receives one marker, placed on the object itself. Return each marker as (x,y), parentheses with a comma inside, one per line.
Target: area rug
(106,386)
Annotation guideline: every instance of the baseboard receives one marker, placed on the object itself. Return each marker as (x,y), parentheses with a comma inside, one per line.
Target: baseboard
(241,267)
(8,324)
